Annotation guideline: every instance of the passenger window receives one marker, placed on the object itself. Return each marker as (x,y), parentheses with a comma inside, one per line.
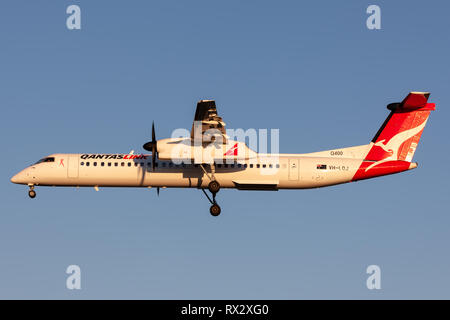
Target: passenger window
(103,164)
(258,165)
(87,164)
(81,163)
(116,164)
(278,165)
(270,165)
(264,165)
(245,165)
(95,164)
(129,164)
(122,164)
(251,165)
(109,164)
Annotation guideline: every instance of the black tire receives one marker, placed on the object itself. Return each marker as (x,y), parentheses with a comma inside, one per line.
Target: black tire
(32,194)
(214,210)
(214,186)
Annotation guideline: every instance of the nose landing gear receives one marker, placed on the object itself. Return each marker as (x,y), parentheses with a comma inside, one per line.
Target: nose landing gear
(32,193)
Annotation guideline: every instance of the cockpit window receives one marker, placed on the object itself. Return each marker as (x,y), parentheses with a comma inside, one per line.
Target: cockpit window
(47,159)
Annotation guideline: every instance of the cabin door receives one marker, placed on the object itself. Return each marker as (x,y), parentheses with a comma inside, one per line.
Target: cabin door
(72,168)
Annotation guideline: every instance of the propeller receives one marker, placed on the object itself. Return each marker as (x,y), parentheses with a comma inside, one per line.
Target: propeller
(152,146)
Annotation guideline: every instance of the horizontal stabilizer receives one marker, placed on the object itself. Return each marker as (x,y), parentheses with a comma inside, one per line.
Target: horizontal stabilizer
(412,102)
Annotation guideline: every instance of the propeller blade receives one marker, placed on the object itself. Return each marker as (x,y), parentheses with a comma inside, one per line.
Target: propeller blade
(157,191)
(153,132)
(153,147)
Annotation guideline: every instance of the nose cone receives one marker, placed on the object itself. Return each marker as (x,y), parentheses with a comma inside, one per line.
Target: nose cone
(18,178)
(15,179)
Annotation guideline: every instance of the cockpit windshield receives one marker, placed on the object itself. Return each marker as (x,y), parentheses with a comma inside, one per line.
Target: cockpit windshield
(47,159)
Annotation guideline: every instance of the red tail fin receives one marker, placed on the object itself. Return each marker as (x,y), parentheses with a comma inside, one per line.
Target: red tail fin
(399,135)
(393,147)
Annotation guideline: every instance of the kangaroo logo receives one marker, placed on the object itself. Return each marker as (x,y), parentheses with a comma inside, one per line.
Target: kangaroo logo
(393,145)
(232,151)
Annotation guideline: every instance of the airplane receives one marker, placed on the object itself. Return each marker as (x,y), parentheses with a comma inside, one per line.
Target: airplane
(209,159)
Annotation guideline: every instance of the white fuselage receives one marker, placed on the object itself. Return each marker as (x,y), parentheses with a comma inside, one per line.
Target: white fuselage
(283,171)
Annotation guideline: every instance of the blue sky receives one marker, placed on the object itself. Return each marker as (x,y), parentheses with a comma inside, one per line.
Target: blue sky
(311,69)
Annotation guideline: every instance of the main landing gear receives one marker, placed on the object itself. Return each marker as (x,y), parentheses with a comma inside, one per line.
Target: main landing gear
(213,187)
(32,193)
(215,208)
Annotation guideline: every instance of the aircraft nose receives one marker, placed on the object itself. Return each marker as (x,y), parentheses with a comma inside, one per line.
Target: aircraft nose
(18,178)
(15,179)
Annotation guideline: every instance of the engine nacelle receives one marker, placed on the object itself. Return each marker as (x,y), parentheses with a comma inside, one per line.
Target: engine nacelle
(185,150)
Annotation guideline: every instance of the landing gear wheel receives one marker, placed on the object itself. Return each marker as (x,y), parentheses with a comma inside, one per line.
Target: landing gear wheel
(214,187)
(214,210)
(32,194)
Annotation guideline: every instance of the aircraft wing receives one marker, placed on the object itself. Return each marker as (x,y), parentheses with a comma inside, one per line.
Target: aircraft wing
(205,119)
